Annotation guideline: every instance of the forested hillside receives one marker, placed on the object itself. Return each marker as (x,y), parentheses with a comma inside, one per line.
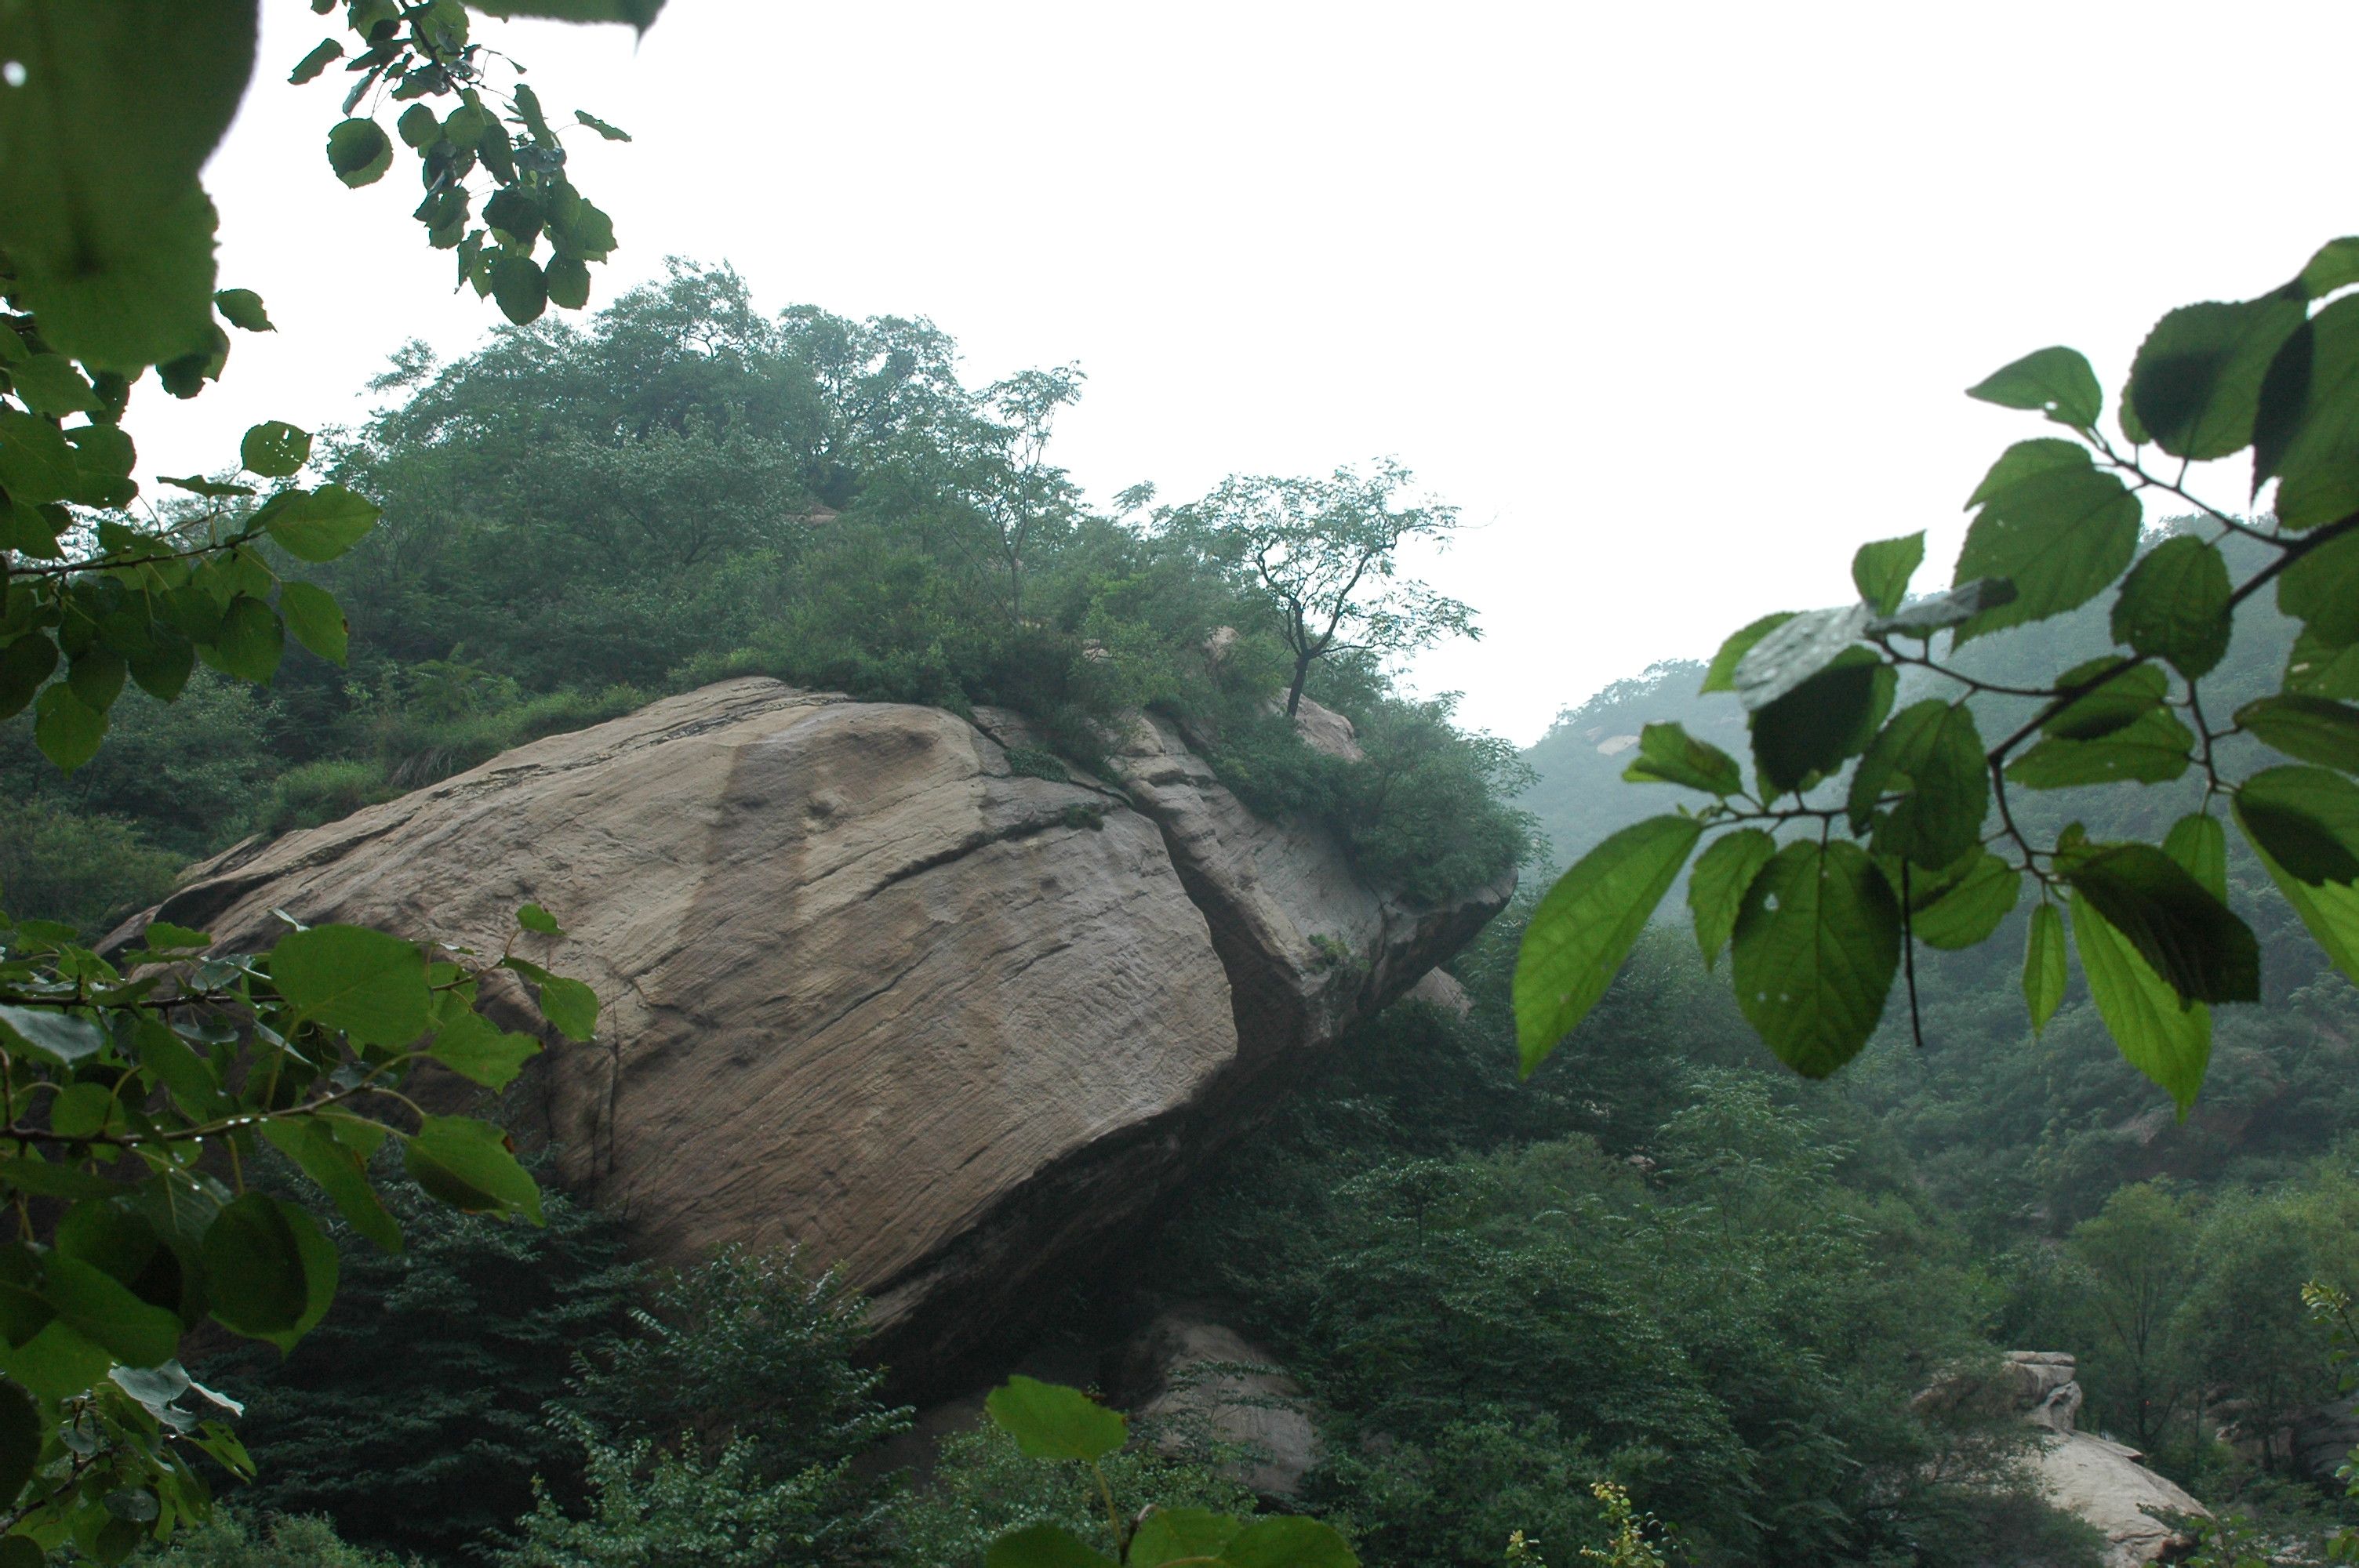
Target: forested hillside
(1741,1278)
(2170,1254)
(580,519)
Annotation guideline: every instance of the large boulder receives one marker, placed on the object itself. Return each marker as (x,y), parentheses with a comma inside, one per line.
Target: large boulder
(946,1022)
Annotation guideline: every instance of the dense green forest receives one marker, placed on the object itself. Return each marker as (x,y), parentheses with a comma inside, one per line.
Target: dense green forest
(1665,1261)
(579,520)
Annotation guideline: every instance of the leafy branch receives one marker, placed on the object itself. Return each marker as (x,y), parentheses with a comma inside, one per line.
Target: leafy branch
(1926,845)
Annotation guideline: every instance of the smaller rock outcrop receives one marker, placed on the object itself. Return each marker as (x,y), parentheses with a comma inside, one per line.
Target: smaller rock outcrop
(1439,990)
(2093,1477)
(1191,1378)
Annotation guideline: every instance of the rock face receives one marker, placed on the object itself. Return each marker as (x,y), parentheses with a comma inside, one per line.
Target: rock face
(2100,1480)
(867,988)
(1195,1377)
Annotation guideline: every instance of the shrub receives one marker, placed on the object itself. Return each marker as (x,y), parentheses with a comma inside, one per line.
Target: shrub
(324,791)
(983,1487)
(414,1415)
(85,871)
(234,1539)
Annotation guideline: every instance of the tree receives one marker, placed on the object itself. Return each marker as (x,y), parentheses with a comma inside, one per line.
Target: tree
(2138,1258)
(1324,552)
(137,1089)
(1866,831)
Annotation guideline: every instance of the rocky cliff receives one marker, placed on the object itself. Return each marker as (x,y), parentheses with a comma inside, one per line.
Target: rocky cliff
(869,988)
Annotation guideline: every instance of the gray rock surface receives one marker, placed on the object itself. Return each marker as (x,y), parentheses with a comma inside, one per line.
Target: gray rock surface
(867,988)
(2080,1471)
(1195,1381)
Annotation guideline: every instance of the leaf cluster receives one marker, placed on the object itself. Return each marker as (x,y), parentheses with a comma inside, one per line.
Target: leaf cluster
(1865,832)
(137,1092)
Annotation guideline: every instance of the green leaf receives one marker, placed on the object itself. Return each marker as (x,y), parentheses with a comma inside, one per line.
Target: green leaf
(1166,1535)
(1288,1540)
(477,1050)
(66,729)
(1813,728)
(2026,460)
(469,1165)
(120,106)
(196,485)
(1050,1420)
(320,524)
(2114,693)
(84,1110)
(2306,431)
(2320,588)
(1932,753)
(2331,910)
(2183,931)
(2306,818)
(271,1275)
(534,918)
(1721,675)
(1817,943)
(21,1432)
(1043,1546)
(370,985)
(255,1267)
(2200,845)
(1940,612)
(340,1174)
(61,1037)
(2312,669)
(359,151)
(519,288)
(1669,754)
(568,1004)
(104,459)
(2336,265)
(2058,535)
(103,1310)
(2174,605)
(579,228)
(36,464)
(639,14)
(323,55)
(515,216)
(96,676)
(48,1181)
(1793,653)
(569,282)
(24,663)
(2057,381)
(1965,912)
(274,449)
(611,132)
(2196,381)
(50,383)
(1881,570)
(318,622)
(242,308)
(2309,728)
(1586,925)
(2151,749)
(2043,965)
(418,127)
(249,644)
(2167,1040)
(1716,891)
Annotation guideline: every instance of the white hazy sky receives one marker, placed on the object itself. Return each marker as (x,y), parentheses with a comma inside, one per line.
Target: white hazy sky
(1675,301)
